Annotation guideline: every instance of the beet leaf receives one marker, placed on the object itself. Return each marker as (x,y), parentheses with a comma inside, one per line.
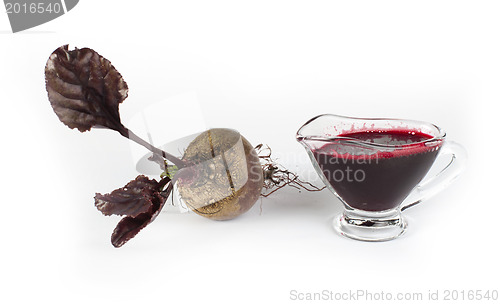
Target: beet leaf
(135,198)
(141,200)
(84,89)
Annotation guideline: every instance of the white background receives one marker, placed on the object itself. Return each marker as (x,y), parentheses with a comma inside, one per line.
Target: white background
(263,68)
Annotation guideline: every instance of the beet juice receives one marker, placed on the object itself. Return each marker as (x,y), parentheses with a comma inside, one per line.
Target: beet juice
(375,170)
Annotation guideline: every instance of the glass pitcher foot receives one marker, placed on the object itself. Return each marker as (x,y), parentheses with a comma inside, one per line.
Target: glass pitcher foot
(370,226)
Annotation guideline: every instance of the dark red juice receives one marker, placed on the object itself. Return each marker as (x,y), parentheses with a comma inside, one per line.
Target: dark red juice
(373,179)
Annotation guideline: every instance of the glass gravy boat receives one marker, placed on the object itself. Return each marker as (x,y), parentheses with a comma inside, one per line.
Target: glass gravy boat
(376,168)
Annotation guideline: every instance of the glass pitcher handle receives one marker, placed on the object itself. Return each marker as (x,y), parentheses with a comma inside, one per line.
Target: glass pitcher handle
(432,185)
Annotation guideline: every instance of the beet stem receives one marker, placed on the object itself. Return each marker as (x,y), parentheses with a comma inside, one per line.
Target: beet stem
(132,136)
